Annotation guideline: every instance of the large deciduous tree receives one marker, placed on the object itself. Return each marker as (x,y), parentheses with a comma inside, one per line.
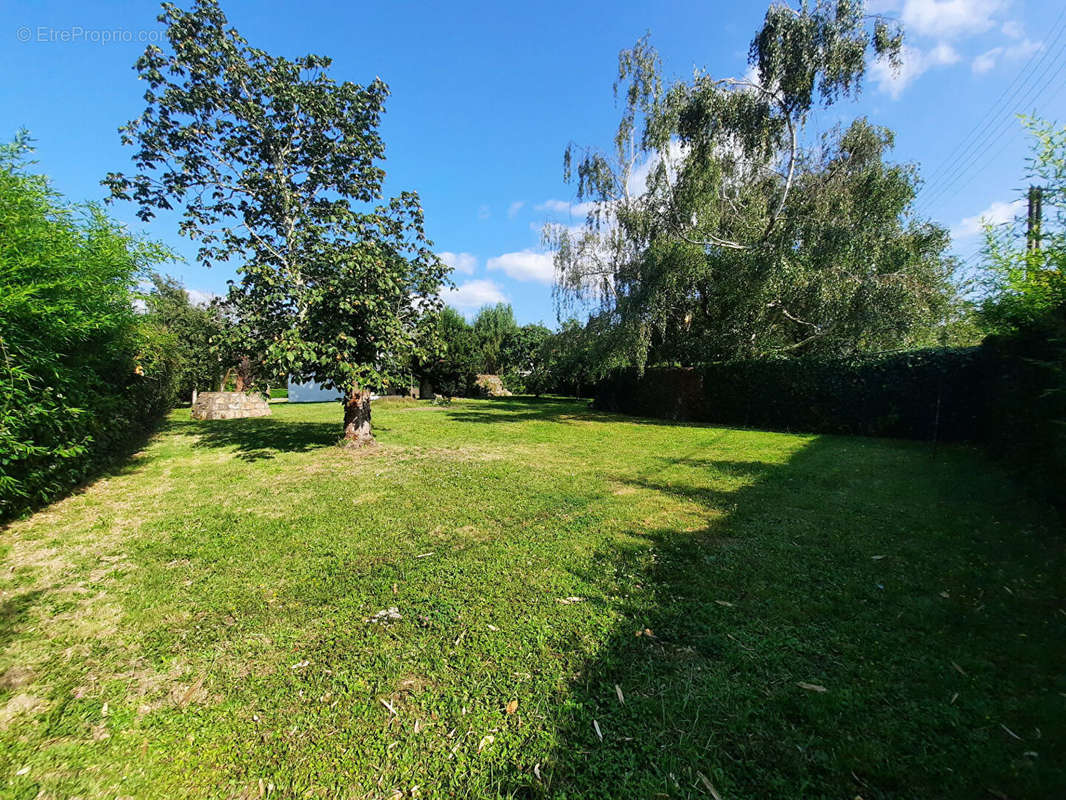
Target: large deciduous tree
(715,233)
(275,166)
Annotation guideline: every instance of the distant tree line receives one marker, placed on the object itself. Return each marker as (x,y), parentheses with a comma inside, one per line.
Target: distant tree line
(494,343)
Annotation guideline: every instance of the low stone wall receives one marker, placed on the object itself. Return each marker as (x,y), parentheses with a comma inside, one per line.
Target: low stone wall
(229,405)
(491,385)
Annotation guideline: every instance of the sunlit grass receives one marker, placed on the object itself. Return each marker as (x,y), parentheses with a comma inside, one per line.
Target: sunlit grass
(197,623)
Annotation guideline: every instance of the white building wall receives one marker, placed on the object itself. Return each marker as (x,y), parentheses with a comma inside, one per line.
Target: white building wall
(311,392)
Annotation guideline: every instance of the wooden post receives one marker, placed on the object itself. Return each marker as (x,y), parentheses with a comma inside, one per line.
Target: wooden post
(1036,212)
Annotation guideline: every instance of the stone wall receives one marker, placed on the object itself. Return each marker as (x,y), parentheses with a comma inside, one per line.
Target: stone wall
(229,405)
(491,385)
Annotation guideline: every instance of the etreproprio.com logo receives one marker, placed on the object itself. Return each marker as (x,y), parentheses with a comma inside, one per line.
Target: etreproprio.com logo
(47,34)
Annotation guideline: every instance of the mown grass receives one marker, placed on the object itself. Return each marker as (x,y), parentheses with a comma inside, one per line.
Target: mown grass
(195,624)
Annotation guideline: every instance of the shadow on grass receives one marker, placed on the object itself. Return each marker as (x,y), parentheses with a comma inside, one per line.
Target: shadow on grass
(14,611)
(509,410)
(117,459)
(525,408)
(261,438)
(804,643)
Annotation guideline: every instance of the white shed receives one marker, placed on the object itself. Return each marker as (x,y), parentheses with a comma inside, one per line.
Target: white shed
(311,392)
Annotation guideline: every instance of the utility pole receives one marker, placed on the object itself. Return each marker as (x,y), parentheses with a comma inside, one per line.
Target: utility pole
(1036,210)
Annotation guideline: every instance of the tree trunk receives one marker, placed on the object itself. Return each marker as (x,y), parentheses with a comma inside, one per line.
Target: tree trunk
(357,418)
(244,374)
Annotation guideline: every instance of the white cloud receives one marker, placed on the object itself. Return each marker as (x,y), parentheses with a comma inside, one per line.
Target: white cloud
(558,206)
(638,178)
(1012,29)
(465,263)
(200,298)
(946,19)
(526,265)
(514,208)
(996,214)
(915,62)
(472,295)
(988,60)
(580,210)
(574,230)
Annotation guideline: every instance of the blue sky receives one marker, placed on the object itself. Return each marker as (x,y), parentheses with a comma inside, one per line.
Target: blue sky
(486,96)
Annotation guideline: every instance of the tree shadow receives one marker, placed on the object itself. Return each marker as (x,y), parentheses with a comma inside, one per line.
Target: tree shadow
(506,410)
(800,646)
(745,469)
(14,611)
(259,438)
(116,459)
(525,408)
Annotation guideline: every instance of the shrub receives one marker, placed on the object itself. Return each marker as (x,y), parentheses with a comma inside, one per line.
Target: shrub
(80,371)
(920,394)
(1026,415)
(1008,394)
(198,330)
(515,382)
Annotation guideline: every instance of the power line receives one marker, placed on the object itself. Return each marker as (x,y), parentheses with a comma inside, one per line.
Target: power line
(998,106)
(1025,87)
(960,174)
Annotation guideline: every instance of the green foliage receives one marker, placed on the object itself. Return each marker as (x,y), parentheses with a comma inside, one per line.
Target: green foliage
(494,331)
(715,235)
(524,348)
(1009,394)
(197,330)
(1024,284)
(276,165)
(494,344)
(1027,413)
(452,372)
(572,359)
(80,372)
(1024,310)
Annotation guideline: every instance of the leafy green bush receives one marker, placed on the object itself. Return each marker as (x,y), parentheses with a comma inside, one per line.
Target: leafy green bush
(515,382)
(198,331)
(80,371)
(494,344)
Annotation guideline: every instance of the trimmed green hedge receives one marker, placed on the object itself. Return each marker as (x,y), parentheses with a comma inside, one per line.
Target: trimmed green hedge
(1009,394)
(82,375)
(1025,411)
(921,394)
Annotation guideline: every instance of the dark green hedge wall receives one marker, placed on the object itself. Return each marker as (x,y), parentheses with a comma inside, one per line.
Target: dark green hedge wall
(1009,394)
(921,394)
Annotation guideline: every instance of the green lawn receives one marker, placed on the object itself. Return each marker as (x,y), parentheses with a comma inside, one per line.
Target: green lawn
(196,623)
